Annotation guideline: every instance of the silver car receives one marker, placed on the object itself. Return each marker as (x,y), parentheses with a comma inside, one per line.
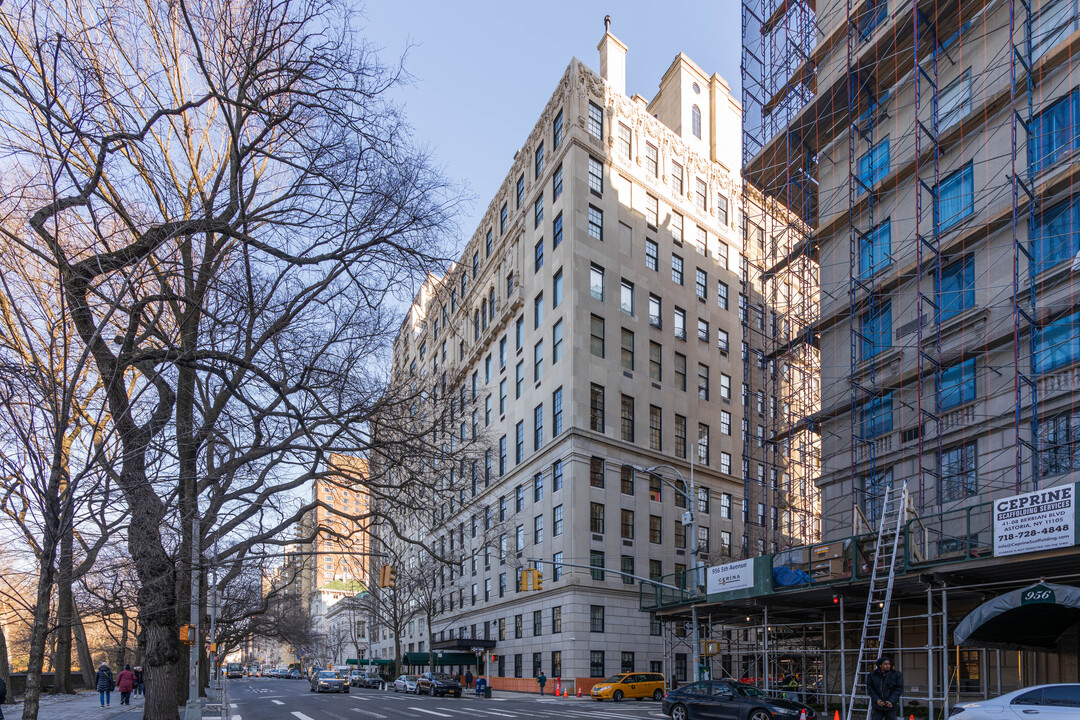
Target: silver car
(1056,702)
(406,684)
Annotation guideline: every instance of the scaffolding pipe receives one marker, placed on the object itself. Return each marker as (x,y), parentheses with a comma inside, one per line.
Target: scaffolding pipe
(843,663)
(930,647)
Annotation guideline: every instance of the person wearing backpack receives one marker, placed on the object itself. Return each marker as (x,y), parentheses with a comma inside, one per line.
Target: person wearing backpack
(104,685)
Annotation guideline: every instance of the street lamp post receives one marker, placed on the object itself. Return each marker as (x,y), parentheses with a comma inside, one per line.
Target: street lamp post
(689,518)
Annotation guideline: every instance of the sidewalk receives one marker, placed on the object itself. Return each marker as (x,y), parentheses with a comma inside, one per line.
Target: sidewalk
(84,705)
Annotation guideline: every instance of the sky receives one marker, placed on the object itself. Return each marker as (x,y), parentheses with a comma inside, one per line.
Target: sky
(483,70)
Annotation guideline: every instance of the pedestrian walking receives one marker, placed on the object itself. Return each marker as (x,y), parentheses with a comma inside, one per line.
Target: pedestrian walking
(542,679)
(674,683)
(884,686)
(125,684)
(468,679)
(104,685)
(138,681)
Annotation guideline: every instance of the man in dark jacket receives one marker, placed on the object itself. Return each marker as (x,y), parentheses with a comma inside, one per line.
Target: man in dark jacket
(884,685)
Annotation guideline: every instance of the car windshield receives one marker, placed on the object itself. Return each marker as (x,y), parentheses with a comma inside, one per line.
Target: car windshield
(412,678)
(751,691)
(615,679)
(329,674)
(443,677)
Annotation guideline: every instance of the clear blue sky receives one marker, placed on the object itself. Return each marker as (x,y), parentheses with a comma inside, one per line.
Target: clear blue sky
(484,70)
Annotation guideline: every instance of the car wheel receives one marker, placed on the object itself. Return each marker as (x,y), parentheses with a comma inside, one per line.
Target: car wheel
(658,695)
(346,691)
(639,699)
(457,694)
(759,715)
(617,696)
(678,712)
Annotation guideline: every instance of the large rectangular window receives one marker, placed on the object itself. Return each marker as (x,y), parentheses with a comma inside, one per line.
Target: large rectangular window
(873,166)
(958,475)
(626,525)
(954,102)
(1053,133)
(877,416)
(875,249)
(596,223)
(556,412)
(652,166)
(955,198)
(596,561)
(957,385)
(1055,20)
(680,436)
(655,428)
(1055,234)
(652,254)
(596,407)
(956,291)
(627,418)
(627,353)
(675,178)
(596,664)
(876,328)
(676,269)
(655,361)
(596,336)
(596,121)
(596,175)
(1059,444)
(1058,343)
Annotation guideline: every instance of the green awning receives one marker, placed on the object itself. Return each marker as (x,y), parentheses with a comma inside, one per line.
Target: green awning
(351,661)
(441,658)
(366,661)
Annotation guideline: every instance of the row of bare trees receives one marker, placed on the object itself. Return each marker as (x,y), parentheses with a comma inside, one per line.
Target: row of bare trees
(208,209)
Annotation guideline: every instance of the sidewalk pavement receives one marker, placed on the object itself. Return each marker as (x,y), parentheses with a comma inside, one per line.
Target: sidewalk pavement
(85,705)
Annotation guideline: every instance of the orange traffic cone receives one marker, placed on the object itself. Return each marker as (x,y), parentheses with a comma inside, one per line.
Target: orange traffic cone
(579,692)
(836,715)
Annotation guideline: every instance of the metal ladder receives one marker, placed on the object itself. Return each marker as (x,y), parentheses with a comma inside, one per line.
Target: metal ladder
(893,511)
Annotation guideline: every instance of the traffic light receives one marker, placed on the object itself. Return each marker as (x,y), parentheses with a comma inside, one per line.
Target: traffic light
(523,581)
(187,634)
(538,580)
(835,599)
(387,576)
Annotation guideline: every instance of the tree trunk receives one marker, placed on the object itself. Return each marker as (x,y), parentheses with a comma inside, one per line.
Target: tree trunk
(65,615)
(39,634)
(5,664)
(86,663)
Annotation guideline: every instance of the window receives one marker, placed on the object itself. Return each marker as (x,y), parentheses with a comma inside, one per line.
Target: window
(627,565)
(556,342)
(680,323)
(556,412)
(873,166)
(680,371)
(722,257)
(557,130)
(725,422)
(722,209)
(722,340)
(1057,344)
(652,166)
(626,526)
(703,330)
(519,194)
(958,477)
(954,102)
(703,381)
(875,250)
(502,456)
(596,407)
(596,472)
(556,193)
(627,354)
(538,255)
(703,443)
(725,386)
(538,361)
(655,361)
(725,463)
(538,529)
(876,328)
(596,121)
(519,380)
(627,418)
(596,336)
(596,176)
(596,518)
(503,216)
(877,416)
(701,280)
(652,211)
(487,249)
(538,161)
(680,436)
(722,295)
(655,428)
(517,635)
(873,15)
(701,190)
(651,255)
(1059,444)
(624,141)
(538,426)
(596,618)
(519,332)
(1055,235)
(676,269)
(556,467)
(1056,20)
(1053,133)
(654,310)
(556,521)
(519,437)
(596,664)
(655,529)
(655,486)
(538,213)
(725,506)
(502,396)
(956,291)
(596,223)
(955,198)
(626,297)
(676,178)
(537,622)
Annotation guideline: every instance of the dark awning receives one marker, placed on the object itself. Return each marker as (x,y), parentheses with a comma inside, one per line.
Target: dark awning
(1033,617)
(441,658)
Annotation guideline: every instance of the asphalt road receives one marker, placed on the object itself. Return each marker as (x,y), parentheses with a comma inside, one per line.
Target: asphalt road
(270,699)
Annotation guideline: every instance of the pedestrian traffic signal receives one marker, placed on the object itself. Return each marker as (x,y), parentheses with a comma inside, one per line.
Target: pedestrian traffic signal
(387,576)
(187,634)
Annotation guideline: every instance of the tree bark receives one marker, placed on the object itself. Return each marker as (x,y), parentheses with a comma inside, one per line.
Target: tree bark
(65,615)
(86,663)
(39,636)
(5,663)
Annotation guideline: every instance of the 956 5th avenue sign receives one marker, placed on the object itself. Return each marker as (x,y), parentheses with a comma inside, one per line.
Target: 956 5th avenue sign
(730,576)
(1034,521)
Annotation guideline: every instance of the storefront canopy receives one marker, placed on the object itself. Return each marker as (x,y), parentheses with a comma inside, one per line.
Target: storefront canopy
(441,658)
(1030,618)
(366,661)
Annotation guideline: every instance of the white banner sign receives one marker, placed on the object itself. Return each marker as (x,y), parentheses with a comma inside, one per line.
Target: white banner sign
(1035,521)
(731,576)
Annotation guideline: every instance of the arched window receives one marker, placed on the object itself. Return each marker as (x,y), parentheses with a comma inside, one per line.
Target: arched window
(695,121)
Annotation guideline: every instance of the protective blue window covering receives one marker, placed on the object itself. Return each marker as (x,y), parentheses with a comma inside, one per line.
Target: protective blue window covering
(956,292)
(957,385)
(873,165)
(876,329)
(1054,132)
(955,198)
(1057,344)
(877,416)
(875,251)
(1054,235)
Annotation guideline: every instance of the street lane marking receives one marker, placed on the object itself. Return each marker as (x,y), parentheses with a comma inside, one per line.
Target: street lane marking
(277,702)
(301,716)
(429,712)
(369,712)
(232,705)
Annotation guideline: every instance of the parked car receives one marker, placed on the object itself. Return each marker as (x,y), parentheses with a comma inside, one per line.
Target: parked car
(630,685)
(736,701)
(294,674)
(438,684)
(328,681)
(1049,701)
(370,679)
(406,683)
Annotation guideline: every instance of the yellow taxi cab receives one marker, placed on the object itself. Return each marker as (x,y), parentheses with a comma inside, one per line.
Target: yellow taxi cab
(630,685)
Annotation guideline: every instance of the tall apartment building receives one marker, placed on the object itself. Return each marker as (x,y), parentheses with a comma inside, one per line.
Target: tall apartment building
(593,325)
(926,154)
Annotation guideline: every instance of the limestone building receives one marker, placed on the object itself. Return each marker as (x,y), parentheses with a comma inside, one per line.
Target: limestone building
(590,336)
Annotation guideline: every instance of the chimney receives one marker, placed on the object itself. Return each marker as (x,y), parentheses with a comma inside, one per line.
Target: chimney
(612,59)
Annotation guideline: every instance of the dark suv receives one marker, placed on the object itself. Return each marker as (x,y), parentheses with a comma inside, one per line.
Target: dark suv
(438,684)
